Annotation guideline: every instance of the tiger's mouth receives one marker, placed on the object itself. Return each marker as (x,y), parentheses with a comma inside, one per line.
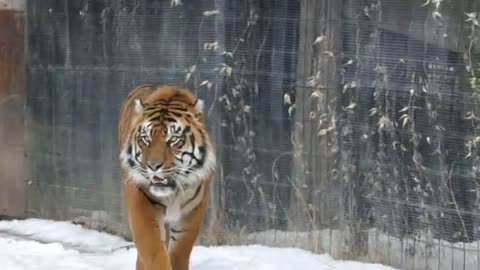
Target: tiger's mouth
(163,182)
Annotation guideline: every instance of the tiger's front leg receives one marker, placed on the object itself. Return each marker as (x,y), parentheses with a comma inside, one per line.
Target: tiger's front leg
(144,223)
(183,234)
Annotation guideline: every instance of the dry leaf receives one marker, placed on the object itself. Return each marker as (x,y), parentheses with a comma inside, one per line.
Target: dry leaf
(322,132)
(286,99)
(319,39)
(210,13)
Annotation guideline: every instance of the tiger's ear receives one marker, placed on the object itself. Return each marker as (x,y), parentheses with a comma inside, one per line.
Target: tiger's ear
(139,106)
(198,105)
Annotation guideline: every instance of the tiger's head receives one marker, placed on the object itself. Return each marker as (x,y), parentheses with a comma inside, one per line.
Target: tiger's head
(168,148)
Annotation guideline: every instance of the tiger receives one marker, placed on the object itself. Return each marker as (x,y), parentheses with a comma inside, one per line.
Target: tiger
(167,161)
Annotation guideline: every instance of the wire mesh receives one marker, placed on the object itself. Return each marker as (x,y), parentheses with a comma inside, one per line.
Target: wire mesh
(347,127)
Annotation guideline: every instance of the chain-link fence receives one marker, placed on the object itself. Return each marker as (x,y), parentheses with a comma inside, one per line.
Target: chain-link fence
(347,127)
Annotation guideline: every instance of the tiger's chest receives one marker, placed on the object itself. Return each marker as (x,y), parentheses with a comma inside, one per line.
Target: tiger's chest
(182,204)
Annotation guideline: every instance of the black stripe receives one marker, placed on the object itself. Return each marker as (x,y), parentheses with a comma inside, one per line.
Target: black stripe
(176,130)
(202,149)
(158,118)
(181,142)
(131,163)
(151,114)
(194,196)
(152,201)
(177,231)
(177,114)
(160,102)
(183,139)
(169,119)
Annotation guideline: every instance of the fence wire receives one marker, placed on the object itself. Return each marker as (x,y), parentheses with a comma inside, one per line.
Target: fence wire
(347,127)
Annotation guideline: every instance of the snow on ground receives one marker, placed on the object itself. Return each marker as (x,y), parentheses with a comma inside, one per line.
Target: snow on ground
(37,244)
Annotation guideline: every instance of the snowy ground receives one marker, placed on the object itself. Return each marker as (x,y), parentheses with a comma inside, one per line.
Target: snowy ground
(44,244)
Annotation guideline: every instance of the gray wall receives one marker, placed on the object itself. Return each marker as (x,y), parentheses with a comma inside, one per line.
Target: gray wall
(84,56)
(336,170)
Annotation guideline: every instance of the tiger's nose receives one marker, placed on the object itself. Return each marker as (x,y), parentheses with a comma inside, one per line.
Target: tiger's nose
(154,166)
